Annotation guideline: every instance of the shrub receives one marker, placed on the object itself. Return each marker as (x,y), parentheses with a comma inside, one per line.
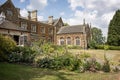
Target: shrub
(100,47)
(90,64)
(92,44)
(76,64)
(73,47)
(107,47)
(84,55)
(7,45)
(106,66)
(60,62)
(45,63)
(114,47)
(116,68)
(22,54)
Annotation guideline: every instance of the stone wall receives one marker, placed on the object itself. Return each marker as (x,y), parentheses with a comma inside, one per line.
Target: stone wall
(83,41)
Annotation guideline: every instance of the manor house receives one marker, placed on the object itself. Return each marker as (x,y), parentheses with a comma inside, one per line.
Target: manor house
(25,30)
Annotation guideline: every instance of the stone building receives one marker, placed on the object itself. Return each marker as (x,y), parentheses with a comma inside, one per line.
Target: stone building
(78,35)
(57,23)
(23,29)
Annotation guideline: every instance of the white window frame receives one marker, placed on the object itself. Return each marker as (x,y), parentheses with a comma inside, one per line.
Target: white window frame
(33,28)
(24,25)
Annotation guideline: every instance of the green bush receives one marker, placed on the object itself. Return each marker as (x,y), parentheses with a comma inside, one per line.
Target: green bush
(90,64)
(114,47)
(107,47)
(106,66)
(92,44)
(7,45)
(22,54)
(73,47)
(45,63)
(59,62)
(100,47)
(76,64)
(85,56)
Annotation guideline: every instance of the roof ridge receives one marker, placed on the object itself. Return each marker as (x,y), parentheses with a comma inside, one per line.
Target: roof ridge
(73,25)
(71,29)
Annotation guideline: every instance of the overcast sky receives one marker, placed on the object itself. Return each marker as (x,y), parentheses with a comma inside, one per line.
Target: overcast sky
(97,12)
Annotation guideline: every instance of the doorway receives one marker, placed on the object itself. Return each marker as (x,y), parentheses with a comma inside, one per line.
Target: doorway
(16,38)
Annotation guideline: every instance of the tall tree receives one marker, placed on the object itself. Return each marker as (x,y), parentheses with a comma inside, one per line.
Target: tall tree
(97,37)
(114,30)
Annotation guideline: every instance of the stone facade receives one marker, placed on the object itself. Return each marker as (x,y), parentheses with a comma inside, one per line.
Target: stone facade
(77,35)
(57,23)
(83,42)
(28,25)
(32,29)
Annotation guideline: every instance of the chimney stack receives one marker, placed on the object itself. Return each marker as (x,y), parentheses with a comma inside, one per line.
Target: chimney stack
(29,15)
(18,10)
(50,20)
(32,15)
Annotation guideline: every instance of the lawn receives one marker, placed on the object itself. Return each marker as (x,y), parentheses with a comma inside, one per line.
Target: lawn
(21,72)
(112,55)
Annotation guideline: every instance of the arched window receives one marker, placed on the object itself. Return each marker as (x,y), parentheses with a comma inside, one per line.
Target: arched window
(61,41)
(77,39)
(68,41)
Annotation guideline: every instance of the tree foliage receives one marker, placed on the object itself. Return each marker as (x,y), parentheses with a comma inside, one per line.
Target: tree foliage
(97,37)
(114,30)
(7,44)
(66,24)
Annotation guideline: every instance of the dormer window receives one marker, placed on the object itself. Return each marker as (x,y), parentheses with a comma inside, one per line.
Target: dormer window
(24,25)
(9,13)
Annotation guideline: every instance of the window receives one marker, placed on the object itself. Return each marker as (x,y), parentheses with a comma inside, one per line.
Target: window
(24,25)
(50,31)
(9,12)
(22,40)
(33,28)
(42,29)
(68,40)
(77,40)
(61,41)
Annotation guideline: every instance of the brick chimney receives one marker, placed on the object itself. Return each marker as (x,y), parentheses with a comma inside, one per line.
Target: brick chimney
(50,20)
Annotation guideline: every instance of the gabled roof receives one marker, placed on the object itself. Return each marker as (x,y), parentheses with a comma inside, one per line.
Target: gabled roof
(9,25)
(71,29)
(55,21)
(7,2)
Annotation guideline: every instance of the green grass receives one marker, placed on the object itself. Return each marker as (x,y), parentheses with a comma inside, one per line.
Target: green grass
(21,72)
